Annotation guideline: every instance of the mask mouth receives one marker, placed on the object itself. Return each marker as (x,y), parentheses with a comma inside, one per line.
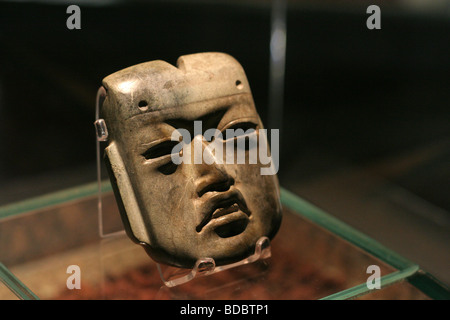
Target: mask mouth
(226,214)
(232,229)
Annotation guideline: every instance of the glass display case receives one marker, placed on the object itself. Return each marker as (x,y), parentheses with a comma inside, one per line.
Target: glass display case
(364,135)
(314,256)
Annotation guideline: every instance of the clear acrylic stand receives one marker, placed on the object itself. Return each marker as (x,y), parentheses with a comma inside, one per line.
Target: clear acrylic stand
(207,266)
(102,136)
(170,276)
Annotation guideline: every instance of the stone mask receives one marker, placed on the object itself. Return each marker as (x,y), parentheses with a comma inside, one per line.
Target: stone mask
(190,210)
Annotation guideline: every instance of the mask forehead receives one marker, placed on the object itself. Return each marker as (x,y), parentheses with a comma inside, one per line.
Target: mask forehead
(158,85)
(214,113)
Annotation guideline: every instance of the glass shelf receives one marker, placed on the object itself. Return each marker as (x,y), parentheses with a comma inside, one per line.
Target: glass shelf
(314,256)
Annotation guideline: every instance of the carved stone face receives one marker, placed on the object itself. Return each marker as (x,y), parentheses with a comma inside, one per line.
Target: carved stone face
(183,212)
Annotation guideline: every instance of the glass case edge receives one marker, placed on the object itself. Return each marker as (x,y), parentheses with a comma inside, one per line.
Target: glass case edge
(325,220)
(363,289)
(431,286)
(15,285)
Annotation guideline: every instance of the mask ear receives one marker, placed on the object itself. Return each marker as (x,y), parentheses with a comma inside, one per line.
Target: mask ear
(125,196)
(120,181)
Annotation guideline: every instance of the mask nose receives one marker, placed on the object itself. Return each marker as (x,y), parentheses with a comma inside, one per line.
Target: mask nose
(207,166)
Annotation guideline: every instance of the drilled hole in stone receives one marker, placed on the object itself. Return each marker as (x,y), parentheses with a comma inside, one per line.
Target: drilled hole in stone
(143,105)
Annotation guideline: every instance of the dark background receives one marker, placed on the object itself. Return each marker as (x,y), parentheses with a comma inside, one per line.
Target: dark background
(365,131)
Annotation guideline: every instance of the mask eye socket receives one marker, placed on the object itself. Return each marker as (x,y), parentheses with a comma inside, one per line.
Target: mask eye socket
(161,155)
(168,168)
(239,130)
(160,150)
(242,135)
